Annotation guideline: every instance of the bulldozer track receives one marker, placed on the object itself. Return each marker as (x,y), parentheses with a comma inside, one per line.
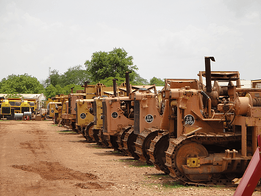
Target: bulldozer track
(88,132)
(120,138)
(142,144)
(177,143)
(128,143)
(157,149)
(94,135)
(102,139)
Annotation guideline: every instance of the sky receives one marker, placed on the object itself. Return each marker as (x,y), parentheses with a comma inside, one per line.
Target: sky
(166,38)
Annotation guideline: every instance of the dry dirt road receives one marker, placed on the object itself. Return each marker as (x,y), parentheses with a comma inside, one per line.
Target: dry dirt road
(39,158)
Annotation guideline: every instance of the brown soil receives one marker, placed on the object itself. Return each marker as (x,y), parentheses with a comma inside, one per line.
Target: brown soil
(39,158)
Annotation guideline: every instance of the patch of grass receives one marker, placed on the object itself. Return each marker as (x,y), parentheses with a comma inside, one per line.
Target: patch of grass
(97,146)
(127,160)
(66,131)
(116,152)
(171,185)
(141,164)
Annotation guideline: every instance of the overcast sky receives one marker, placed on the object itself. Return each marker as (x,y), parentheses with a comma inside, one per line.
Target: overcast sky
(167,38)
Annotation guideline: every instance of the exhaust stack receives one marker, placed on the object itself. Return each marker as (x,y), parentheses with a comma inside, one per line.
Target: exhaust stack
(114,87)
(208,73)
(127,82)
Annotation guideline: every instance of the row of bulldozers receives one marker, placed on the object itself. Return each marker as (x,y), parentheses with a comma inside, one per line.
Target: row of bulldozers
(199,131)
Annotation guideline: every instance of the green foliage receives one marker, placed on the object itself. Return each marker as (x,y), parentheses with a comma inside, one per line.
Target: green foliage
(20,84)
(109,81)
(67,88)
(55,78)
(103,68)
(157,81)
(137,80)
(62,84)
(51,91)
(109,64)
(74,75)
(13,96)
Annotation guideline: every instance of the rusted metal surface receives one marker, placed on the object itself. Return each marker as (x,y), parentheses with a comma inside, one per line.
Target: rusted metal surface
(224,120)
(252,174)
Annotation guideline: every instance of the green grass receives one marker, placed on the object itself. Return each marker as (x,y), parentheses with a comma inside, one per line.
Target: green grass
(127,160)
(95,145)
(65,131)
(142,164)
(116,152)
(171,185)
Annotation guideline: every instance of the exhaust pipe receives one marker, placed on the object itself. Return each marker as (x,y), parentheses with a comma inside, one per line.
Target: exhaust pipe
(114,87)
(208,73)
(127,82)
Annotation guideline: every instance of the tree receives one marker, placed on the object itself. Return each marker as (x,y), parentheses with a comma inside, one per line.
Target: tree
(108,64)
(157,81)
(67,88)
(74,75)
(137,80)
(50,91)
(109,81)
(55,78)
(21,84)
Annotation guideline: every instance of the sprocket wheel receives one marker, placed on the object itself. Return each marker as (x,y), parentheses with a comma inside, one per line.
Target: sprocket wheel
(190,149)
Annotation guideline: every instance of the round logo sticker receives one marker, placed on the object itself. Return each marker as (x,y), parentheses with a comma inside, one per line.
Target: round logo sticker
(52,111)
(149,118)
(114,114)
(83,115)
(189,119)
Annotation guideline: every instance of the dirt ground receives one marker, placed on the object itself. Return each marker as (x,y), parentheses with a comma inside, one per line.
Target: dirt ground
(39,158)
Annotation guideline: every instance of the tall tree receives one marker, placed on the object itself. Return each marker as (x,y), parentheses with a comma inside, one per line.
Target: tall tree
(109,64)
(75,75)
(21,84)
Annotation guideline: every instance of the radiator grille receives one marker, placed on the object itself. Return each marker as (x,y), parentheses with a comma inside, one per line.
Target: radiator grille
(136,117)
(104,117)
(6,110)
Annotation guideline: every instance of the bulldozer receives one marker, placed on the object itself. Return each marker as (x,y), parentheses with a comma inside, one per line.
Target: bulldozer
(68,119)
(61,108)
(160,142)
(119,117)
(212,129)
(85,109)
